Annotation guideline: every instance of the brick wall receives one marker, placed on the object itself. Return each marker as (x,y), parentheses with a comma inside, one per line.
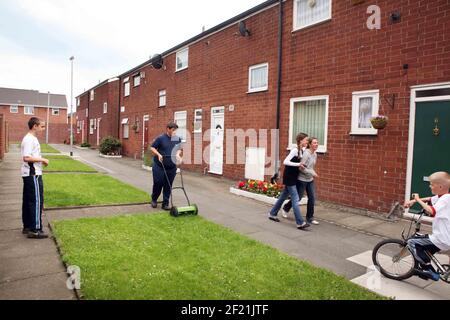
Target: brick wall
(18,124)
(334,58)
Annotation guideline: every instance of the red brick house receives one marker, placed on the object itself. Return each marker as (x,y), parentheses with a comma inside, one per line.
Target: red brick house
(342,62)
(97,113)
(18,106)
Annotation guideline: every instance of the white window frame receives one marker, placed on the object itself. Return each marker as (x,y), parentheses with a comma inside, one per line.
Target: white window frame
(162,96)
(105,107)
(197,119)
(297,27)
(126,89)
(183,113)
(27,112)
(182,51)
(87,112)
(78,101)
(375,95)
(250,69)
(12,108)
(92,95)
(56,112)
(125,128)
(137,83)
(323,146)
(122,109)
(91,126)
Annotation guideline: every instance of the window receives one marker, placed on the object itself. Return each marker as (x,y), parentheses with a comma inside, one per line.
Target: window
(162,98)
(105,107)
(87,112)
(29,110)
(55,112)
(78,126)
(126,89)
(137,80)
(92,95)
(122,109)
(310,12)
(78,102)
(198,118)
(91,126)
(182,59)
(258,78)
(181,121)
(14,109)
(310,115)
(365,106)
(125,128)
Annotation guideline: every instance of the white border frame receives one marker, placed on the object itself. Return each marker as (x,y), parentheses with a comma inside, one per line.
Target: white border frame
(160,96)
(185,49)
(125,90)
(92,95)
(10,109)
(134,80)
(175,120)
(323,148)
(195,120)
(296,27)
(356,96)
(412,127)
(221,108)
(250,69)
(105,104)
(27,113)
(56,109)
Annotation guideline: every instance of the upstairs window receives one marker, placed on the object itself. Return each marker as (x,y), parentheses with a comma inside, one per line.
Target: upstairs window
(137,80)
(87,112)
(181,121)
(311,12)
(126,89)
(78,102)
(258,78)
(14,109)
(105,107)
(92,95)
(162,98)
(29,111)
(182,59)
(55,112)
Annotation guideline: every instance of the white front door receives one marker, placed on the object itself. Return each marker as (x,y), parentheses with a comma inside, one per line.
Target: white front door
(98,131)
(217,138)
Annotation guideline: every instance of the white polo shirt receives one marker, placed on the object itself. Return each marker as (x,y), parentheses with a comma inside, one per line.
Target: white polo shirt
(31,148)
(441,222)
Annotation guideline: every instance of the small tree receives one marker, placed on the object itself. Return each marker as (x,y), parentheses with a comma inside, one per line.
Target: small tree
(110,146)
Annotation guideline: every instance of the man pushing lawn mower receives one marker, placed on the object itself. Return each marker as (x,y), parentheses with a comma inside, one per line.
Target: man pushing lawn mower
(167,150)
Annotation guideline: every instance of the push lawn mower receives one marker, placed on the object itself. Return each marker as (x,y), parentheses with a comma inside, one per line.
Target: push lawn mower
(190,209)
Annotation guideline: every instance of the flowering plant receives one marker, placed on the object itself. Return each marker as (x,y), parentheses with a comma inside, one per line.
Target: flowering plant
(260,187)
(379,121)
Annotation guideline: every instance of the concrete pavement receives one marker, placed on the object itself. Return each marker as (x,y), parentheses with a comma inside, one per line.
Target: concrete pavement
(29,269)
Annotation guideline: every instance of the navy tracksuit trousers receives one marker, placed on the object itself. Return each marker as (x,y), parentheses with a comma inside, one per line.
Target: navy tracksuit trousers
(160,183)
(32,202)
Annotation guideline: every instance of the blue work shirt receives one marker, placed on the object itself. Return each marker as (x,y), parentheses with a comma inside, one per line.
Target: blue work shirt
(168,148)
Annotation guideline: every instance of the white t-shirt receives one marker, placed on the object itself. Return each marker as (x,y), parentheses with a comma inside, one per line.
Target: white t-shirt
(441,222)
(31,148)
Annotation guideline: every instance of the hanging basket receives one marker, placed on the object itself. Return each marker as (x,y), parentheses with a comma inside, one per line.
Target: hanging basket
(379,122)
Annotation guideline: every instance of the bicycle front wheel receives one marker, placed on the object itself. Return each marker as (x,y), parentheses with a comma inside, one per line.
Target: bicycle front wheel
(394,259)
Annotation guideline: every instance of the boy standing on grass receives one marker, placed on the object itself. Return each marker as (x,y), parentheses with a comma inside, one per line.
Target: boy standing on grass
(33,187)
(439,207)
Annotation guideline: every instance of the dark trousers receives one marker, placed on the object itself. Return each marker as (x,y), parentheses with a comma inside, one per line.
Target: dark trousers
(310,192)
(419,246)
(160,183)
(32,202)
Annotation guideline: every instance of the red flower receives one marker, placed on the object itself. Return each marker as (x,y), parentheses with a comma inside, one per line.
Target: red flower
(241,184)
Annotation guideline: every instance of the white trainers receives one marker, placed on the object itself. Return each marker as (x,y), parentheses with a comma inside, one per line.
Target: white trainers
(315,222)
(284,214)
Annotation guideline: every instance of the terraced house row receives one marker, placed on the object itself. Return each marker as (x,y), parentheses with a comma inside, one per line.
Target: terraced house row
(323,67)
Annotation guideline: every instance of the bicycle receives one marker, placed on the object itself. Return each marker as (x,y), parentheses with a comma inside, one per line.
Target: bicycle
(394,259)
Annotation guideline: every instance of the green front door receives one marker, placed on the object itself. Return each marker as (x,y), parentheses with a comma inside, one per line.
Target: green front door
(431,145)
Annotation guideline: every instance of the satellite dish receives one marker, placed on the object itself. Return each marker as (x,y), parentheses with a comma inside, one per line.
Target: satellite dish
(158,61)
(243,29)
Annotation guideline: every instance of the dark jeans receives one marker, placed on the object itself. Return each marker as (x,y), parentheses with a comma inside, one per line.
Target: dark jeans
(160,183)
(311,193)
(32,203)
(419,246)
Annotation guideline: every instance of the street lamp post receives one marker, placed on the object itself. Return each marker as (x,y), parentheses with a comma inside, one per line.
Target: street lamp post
(71,107)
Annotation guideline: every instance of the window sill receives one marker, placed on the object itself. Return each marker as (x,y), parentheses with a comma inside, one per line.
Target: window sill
(182,69)
(197,132)
(296,29)
(258,91)
(352,133)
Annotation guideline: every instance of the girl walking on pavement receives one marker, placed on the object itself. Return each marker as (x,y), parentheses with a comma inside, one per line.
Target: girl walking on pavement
(290,177)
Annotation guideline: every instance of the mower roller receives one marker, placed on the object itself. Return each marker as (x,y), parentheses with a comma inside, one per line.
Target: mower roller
(190,209)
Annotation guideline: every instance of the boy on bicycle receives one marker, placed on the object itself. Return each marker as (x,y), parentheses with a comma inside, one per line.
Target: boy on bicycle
(438,207)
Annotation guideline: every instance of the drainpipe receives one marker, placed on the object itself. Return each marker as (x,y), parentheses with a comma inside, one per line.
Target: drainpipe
(280,65)
(118,120)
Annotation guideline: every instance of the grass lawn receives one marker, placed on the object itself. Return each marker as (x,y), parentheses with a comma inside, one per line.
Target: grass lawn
(67,190)
(45,148)
(158,257)
(66,164)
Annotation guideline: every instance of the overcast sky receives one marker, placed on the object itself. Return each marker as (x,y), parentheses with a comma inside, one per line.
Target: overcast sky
(107,37)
